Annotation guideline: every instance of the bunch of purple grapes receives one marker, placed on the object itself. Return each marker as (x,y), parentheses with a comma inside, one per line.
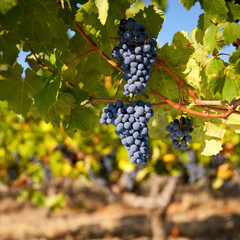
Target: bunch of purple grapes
(179,133)
(137,51)
(131,126)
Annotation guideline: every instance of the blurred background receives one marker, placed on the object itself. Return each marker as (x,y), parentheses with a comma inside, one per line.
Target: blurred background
(55,186)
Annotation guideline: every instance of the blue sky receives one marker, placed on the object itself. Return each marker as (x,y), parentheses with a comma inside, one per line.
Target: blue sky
(176,19)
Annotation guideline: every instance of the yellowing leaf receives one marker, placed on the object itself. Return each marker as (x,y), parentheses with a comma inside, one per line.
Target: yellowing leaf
(213,130)
(212,147)
(193,77)
(102,6)
(234,122)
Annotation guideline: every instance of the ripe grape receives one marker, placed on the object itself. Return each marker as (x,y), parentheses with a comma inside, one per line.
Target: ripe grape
(137,51)
(131,126)
(179,133)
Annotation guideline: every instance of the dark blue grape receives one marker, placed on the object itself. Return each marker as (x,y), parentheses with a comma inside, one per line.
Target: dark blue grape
(137,51)
(130,122)
(179,133)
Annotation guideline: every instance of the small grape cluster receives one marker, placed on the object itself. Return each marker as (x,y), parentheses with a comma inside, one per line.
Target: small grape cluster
(138,53)
(179,133)
(217,160)
(131,126)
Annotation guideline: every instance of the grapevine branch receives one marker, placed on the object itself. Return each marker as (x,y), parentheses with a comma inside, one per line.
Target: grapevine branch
(201,114)
(160,63)
(95,48)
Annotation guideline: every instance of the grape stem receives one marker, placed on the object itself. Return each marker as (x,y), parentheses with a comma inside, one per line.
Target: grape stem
(93,99)
(37,59)
(30,71)
(83,54)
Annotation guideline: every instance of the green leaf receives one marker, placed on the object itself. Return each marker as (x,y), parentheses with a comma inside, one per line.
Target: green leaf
(152,19)
(8,21)
(88,17)
(62,106)
(157,125)
(81,118)
(40,21)
(234,59)
(215,72)
(210,38)
(102,6)
(160,4)
(18,91)
(203,22)
(235,10)
(6,5)
(178,53)
(188,3)
(46,98)
(193,77)
(231,32)
(79,95)
(234,122)
(216,10)
(231,87)
(163,83)
(8,46)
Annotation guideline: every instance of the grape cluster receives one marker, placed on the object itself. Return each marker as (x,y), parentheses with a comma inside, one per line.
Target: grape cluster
(131,126)
(195,172)
(137,51)
(179,133)
(217,160)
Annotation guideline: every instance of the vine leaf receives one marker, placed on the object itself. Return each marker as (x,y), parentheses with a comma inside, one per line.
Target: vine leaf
(8,42)
(62,106)
(212,147)
(203,22)
(193,74)
(6,5)
(80,118)
(18,91)
(157,125)
(210,38)
(234,122)
(40,22)
(152,19)
(231,32)
(231,87)
(217,10)
(102,6)
(213,144)
(188,3)
(235,10)
(46,98)
(215,72)
(213,130)
(234,59)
